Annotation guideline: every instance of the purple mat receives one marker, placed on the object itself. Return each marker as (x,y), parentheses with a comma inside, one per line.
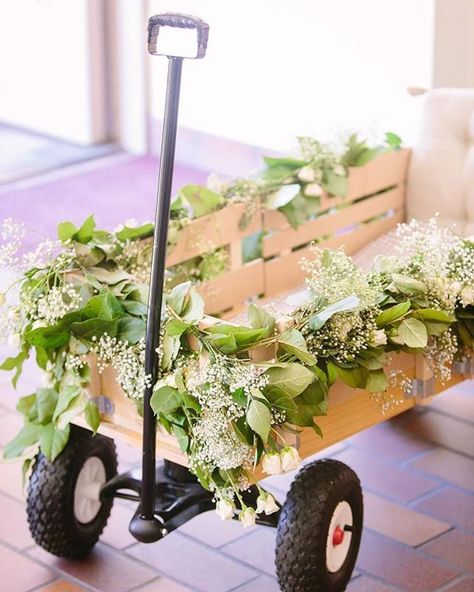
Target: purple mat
(113,194)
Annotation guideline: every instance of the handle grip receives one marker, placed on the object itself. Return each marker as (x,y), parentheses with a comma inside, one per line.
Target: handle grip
(178,21)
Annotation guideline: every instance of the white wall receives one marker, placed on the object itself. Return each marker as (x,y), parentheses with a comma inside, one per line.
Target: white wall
(279,68)
(50,67)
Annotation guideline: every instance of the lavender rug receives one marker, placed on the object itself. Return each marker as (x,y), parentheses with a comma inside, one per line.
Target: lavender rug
(114,193)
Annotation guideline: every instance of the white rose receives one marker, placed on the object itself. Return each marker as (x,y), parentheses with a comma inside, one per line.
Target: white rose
(14,340)
(339,170)
(225,509)
(272,463)
(313,190)
(266,503)
(307,174)
(380,337)
(247,516)
(290,459)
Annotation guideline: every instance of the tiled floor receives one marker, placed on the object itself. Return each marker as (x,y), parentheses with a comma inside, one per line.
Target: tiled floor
(418,476)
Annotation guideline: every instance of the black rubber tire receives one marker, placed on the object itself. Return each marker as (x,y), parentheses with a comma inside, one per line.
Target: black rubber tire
(50,499)
(304,525)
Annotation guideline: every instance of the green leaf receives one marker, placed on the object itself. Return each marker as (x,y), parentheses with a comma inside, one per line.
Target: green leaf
(85,232)
(436,328)
(315,396)
(178,298)
(201,199)
(171,346)
(354,377)
(65,396)
(165,400)
(413,333)
(293,342)
(393,313)
(176,327)
(109,277)
(252,247)
(332,372)
(136,232)
(261,319)
(135,308)
(42,357)
(393,141)
(407,284)
(76,406)
(291,378)
(335,184)
(194,307)
(291,163)
(66,230)
(92,415)
(344,305)
(95,328)
(131,330)
(26,437)
(25,404)
(240,397)
(259,418)
(53,440)
(15,363)
(182,437)
(366,155)
(434,316)
(231,338)
(46,400)
(376,381)
(104,306)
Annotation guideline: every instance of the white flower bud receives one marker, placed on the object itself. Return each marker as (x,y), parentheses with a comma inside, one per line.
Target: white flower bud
(380,337)
(247,516)
(313,190)
(307,174)
(339,170)
(266,503)
(272,463)
(14,340)
(467,295)
(290,459)
(225,509)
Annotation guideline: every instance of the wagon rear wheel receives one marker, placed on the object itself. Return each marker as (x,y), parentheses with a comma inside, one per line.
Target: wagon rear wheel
(65,513)
(320,528)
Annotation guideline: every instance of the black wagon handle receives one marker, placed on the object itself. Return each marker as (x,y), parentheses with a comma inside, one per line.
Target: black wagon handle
(144,526)
(178,21)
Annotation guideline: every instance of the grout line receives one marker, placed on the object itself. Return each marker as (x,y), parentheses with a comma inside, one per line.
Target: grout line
(240,586)
(433,538)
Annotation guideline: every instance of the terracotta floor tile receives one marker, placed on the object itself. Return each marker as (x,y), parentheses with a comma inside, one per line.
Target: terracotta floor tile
(451,505)
(19,573)
(11,480)
(10,424)
(116,532)
(400,566)
(162,585)
(367,584)
(61,586)
(457,401)
(261,584)
(14,530)
(257,549)
(454,547)
(210,529)
(466,585)
(386,440)
(387,478)
(193,564)
(104,569)
(447,465)
(442,430)
(399,523)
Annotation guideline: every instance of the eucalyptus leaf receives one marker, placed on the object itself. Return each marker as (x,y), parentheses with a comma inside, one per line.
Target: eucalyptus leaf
(131,330)
(92,415)
(182,437)
(292,378)
(283,196)
(201,199)
(53,440)
(259,418)
(46,400)
(413,333)
(318,320)
(261,319)
(407,284)
(26,437)
(376,381)
(293,342)
(165,400)
(392,314)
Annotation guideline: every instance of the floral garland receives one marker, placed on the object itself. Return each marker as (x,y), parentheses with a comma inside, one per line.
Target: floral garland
(79,296)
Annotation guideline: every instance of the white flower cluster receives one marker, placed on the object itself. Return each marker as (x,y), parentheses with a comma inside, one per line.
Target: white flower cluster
(440,353)
(55,304)
(135,258)
(275,463)
(127,360)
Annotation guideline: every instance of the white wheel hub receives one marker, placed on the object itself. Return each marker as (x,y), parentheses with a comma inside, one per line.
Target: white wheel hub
(339,537)
(87,502)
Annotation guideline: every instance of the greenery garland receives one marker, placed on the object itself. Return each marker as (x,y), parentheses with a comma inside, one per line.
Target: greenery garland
(80,296)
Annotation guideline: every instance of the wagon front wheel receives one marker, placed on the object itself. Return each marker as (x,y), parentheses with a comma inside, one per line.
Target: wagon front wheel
(319,529)
(65,513)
